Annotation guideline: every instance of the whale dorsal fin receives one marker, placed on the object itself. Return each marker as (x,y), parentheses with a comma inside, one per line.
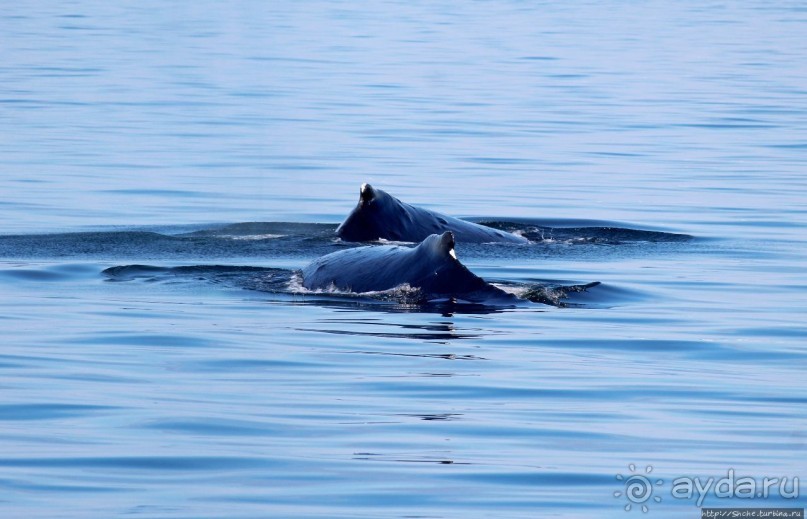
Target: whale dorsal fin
(366,193)
(440,245)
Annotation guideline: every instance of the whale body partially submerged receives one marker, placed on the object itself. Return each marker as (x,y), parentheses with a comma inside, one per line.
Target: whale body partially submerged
(379,215)
(431,268)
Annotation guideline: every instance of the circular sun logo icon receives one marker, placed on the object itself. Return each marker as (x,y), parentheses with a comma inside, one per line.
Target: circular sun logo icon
(638,488)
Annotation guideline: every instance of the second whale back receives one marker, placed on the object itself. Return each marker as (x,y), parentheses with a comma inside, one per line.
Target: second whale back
(379,215)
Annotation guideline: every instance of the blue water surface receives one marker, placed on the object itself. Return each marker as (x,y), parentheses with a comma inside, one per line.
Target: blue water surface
(150,133)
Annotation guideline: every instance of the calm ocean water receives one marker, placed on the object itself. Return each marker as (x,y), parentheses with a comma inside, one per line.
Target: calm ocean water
(140,133)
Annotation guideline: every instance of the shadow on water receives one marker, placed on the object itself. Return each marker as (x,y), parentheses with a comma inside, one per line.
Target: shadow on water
(285,283)
(289,239)
(276,240)
(443,331)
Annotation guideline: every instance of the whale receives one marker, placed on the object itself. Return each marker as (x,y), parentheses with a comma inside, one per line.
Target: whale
(379,215)
(431,268)
(427,273)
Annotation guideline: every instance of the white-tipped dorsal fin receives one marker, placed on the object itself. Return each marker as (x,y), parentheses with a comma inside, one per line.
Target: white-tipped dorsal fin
(447,244)
(441,244)
(366,193)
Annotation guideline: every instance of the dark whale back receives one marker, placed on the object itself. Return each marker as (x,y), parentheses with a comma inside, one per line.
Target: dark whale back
(381,215)
(431,267)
